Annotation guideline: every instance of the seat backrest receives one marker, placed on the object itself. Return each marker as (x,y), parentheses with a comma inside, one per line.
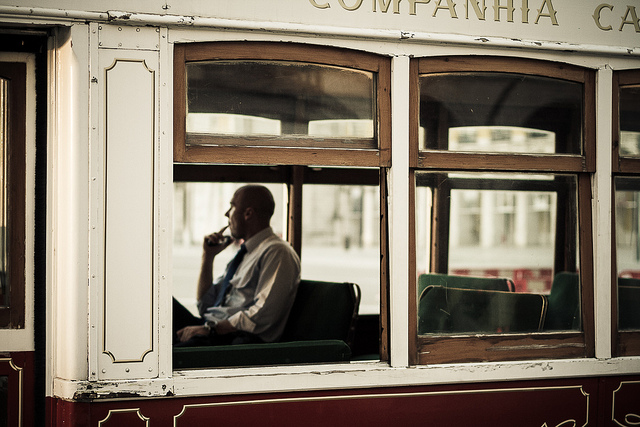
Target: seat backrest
(629,282)
(464,282)
(323,310)
(452,310)
(628,307)
(564,303)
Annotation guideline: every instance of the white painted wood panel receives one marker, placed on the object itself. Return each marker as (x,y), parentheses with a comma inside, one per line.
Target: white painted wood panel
(127,327)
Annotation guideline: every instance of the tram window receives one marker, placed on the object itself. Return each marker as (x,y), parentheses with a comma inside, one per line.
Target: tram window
(502,210)
(502,227)
(527,114)
(313,121)
(627,214)
(4,286)
(12,193)
(331,216)
(630,121)
(237,99)
(626,168)
(279,98)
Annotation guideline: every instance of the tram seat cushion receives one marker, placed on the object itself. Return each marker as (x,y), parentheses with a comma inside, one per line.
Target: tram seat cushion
(319,328)
(464,282)
(454,310)
(563,312)
(295,352)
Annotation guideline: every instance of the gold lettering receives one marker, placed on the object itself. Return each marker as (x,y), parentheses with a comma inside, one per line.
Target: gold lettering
(356,6)
(384,7)
(525,11)
(412,7)
(596,15)
(634,19)
(552,12)
(320,6)
(475,5)
(450,6)
(496,10)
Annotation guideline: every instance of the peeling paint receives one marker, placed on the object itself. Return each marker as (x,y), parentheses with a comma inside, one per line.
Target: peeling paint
(544,366)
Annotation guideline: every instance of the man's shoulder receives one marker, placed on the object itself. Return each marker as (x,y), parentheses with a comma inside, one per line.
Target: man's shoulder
(277,246)
(276,242)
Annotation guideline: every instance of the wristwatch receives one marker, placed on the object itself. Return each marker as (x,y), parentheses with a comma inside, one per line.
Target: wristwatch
(211,325)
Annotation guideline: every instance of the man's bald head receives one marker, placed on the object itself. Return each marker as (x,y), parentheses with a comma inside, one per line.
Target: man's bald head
(257,197)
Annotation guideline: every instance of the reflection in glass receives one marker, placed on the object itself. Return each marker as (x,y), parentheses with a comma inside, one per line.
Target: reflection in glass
(4,139)
(628,251)
(501,113)
(496,253)
(276,98)
(630,121)
(199,209)
(341,238)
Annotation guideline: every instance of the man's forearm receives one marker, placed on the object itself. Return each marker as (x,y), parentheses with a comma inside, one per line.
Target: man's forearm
(206,276)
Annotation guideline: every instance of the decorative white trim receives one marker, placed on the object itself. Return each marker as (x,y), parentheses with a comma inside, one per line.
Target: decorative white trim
(127,18)
(120,411)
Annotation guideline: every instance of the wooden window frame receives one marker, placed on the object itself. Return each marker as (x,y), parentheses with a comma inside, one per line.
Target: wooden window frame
(13,316)
(295,151)
(295,176)
(425,349)
(504,161)
(624,343)
(287,163)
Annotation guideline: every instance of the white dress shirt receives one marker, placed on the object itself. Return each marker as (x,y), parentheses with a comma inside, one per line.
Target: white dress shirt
(261,291)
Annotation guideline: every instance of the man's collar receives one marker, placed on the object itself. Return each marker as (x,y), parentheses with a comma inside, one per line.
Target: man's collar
(258,238)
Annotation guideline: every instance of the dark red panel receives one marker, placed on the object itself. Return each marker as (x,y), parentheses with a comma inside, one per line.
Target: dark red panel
(625,401)
(19,369)
(514,406)
(568,402)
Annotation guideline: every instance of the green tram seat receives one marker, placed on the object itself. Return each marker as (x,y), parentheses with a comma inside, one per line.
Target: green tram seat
(445,310)
(320,329)
(628,304)
(628,282)
(564,303)
(464,282)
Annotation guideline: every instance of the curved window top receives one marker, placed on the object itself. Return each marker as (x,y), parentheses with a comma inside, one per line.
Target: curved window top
(514,113)
(630,121)
(280,100)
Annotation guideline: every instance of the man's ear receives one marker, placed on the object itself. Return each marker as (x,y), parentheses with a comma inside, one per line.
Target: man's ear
(249,213)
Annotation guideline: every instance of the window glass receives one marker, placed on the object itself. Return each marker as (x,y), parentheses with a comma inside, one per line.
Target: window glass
(627,215)
(629,121)
(517,233)
(500,112)
(199,210)
(341,238)
(4,248)
(248,98)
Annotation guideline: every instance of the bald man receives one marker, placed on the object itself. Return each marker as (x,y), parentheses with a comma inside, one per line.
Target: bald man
(255,303)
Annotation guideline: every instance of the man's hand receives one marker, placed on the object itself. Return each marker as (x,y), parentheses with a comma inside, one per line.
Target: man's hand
(215,243)
(186,333)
